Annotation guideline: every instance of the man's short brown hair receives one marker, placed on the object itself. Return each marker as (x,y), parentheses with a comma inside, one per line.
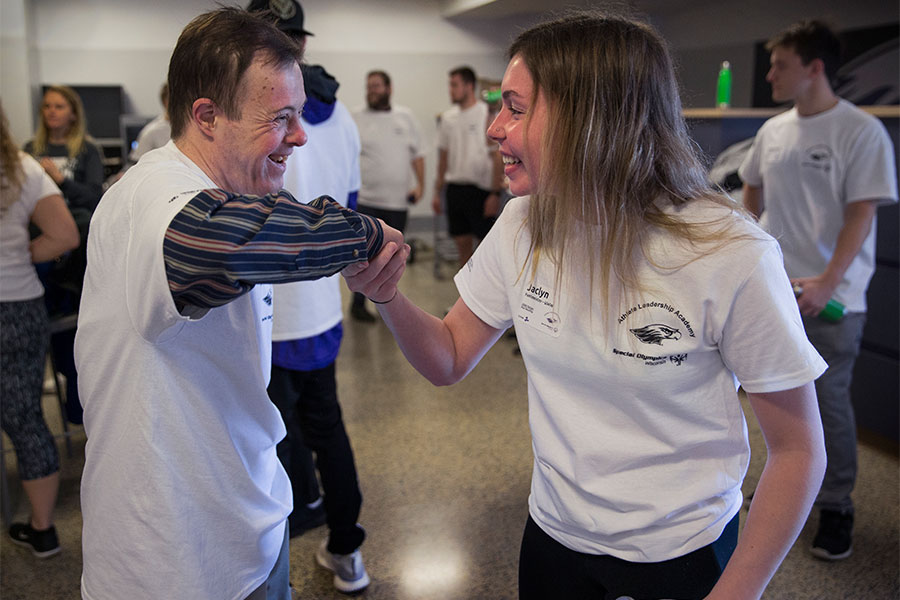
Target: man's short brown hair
(212,55)
(811,40)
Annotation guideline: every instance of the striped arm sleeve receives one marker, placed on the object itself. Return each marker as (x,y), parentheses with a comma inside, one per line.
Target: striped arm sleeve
(220,244)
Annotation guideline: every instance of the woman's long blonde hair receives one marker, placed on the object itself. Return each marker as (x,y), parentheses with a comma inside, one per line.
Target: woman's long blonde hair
(77,133)
(11,169)
(616,148)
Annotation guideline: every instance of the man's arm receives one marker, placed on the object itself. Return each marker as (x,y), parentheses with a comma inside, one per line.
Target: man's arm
(439,180)
(220,245)
(790,480)
(817,291)
(753,200)
(418,165)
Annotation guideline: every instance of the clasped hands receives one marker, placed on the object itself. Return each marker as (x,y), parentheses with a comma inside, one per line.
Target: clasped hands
(377,279)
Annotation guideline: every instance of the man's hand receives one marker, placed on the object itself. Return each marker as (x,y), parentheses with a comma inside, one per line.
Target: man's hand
(436,202)
(816,294)
(416,194)
(390,235)
(377,279)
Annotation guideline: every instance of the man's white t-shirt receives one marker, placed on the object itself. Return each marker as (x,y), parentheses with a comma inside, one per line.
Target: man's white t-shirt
(18,279)
(328,165)
(640,445)
(463,134)
(391,140)
(810,169)
(182,494)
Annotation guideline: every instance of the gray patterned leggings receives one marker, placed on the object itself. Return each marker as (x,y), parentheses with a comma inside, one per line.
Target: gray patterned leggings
(23,349)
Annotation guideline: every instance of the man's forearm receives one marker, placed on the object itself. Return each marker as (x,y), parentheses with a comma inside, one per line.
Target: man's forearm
(220,245)
(753,200)
(858,217)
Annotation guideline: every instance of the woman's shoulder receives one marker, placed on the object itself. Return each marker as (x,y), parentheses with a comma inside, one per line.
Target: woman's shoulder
(90,146)
(717,223)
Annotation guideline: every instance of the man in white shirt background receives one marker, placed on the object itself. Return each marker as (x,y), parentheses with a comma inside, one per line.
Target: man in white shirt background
(391,150)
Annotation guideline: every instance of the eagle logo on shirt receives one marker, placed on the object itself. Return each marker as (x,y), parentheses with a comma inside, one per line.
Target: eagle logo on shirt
(656,333)
(818,157)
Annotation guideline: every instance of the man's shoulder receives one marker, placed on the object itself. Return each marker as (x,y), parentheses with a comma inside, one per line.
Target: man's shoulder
(165,167)
(855,116)
(451,113)
(782,118)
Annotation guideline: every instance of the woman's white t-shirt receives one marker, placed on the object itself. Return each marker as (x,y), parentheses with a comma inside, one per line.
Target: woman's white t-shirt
(640,444)
(18,279)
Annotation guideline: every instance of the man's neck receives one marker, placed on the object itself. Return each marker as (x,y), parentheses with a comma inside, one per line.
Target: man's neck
(193,149)
(817,99)
(468,102)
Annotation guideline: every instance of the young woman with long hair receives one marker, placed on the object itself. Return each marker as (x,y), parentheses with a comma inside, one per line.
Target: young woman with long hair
(28,196)
(641,297)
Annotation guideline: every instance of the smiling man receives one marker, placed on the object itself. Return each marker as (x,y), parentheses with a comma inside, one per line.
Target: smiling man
(183,495)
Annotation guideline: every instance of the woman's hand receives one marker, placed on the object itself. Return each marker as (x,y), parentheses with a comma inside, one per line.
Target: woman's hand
(377,279)
(51,169)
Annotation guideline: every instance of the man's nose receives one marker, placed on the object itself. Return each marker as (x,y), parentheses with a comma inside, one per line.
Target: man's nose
(297,136)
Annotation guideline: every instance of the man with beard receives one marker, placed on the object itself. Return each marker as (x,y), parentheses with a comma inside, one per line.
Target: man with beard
(391,144)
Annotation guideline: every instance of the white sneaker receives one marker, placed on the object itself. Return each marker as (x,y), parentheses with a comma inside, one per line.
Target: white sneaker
(349,572)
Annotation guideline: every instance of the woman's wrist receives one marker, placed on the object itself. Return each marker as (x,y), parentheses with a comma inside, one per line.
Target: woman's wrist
(385,301)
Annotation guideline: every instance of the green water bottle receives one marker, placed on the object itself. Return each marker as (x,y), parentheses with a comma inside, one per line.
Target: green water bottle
(833,312)
(723,87)
(491,96)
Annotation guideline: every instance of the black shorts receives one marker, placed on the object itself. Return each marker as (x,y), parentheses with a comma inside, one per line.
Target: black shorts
(547,569)
(465,210)
(392,218)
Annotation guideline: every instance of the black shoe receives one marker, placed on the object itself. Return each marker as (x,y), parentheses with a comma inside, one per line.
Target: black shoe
(43,543)
(834,540)
(304,518)
(359,312)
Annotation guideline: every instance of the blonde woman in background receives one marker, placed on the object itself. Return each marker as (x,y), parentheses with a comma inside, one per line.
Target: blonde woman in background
(640,298)
(74,162)
(29,196)
(66,151)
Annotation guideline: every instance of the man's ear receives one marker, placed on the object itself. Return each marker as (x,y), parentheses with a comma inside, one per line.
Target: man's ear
(816,67)
(204,114)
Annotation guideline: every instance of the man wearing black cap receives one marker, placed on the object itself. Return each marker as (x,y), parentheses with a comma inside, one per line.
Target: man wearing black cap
(307,331)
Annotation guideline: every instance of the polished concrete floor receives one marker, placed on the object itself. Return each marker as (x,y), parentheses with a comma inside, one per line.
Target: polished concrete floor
(445,478)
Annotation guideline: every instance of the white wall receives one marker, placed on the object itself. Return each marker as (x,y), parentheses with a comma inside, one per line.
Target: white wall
(15,56)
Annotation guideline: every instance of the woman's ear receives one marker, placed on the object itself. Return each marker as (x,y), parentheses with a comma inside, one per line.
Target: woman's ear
(204,114)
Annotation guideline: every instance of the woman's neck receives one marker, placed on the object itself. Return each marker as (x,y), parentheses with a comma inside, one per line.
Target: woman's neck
(57,136)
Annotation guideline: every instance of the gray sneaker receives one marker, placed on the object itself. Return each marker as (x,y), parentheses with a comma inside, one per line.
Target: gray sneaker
(349,572)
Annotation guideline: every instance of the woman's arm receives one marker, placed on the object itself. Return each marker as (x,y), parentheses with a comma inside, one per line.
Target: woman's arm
(790,480)
(58,231)
(444,351)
